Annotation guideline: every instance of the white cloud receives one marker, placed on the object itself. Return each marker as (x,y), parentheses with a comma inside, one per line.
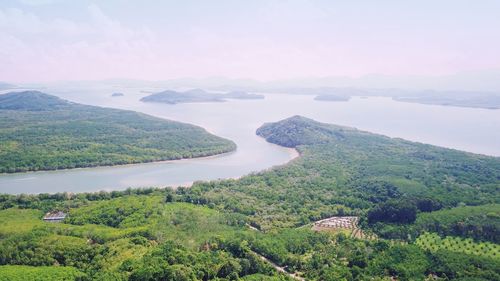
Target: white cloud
(32,48)
(262,40)
(39,2)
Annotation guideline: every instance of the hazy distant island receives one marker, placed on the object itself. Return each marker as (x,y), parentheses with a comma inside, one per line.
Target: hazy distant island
(329,97)
(197,95)
(174,97)
(43,132)
(487,102)
(474,99)
(117,95)
(6,86)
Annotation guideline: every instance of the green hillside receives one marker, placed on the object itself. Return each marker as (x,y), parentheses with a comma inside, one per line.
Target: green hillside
(346,171)
(431,213)
(23,273)
(43,132)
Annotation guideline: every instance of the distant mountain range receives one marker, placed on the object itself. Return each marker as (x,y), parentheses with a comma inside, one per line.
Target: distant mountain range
(485,80)
(480,89)
(32,101)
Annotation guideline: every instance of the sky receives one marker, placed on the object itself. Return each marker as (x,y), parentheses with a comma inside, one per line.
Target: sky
(53,40)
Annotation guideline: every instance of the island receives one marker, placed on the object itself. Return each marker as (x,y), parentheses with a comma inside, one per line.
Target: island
(117,95)
(175,97)
(458,98)
(330,97)
(197,95)
(43,132)
(354,206)
(482,101)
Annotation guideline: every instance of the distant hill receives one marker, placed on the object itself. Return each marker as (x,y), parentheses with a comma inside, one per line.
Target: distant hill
(43,132)
(32,101)
(298,130)
(361,170)
(174,97)
(196,95)
(117,95)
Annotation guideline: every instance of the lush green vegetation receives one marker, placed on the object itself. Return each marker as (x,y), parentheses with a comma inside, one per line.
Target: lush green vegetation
(154,239)
(43,132)
(135,237)
(433,242)
(393,211)
(220,230)
(23,273)
(343,171)
(482,223)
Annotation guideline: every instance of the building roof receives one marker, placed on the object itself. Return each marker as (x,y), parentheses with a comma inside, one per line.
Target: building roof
(57,215)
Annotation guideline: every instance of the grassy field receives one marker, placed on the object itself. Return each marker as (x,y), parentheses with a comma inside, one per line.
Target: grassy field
(433,242)
(22,273)
(17,221)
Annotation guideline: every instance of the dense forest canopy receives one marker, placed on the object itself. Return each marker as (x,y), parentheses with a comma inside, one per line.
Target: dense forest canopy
(43,132)
(429,212)
(346,171)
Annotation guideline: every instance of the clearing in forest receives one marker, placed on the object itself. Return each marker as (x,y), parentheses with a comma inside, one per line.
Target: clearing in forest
(347,225)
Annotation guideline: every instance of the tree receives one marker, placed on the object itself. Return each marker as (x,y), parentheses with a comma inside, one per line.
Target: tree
(393,211)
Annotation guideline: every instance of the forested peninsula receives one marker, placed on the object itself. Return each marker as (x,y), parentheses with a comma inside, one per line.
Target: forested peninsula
(43,132)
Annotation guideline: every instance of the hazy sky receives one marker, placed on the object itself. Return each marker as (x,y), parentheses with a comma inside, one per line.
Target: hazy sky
(44,40)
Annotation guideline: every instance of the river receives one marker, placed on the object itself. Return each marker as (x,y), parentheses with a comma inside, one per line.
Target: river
(469,129)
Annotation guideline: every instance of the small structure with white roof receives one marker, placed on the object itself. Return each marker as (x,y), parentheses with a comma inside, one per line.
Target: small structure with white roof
(55,216)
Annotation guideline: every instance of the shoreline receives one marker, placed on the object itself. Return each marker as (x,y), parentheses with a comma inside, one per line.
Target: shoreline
(122,165)
(293,152)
